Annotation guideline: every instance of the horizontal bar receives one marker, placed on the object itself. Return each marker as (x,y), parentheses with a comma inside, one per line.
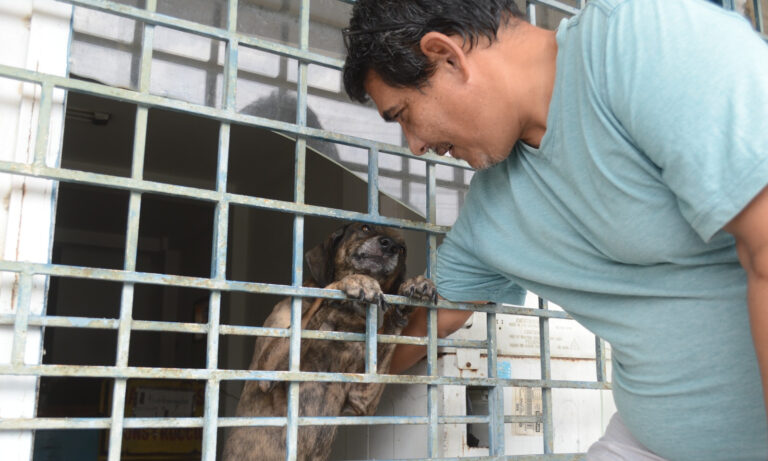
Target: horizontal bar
(116,275)
(554,4)
(269,421)
(222,115)
(83,371)
(206,195)
(197,28)
(202,328)
(552,457)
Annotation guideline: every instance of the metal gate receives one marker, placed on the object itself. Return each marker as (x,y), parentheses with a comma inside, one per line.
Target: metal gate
(25,279)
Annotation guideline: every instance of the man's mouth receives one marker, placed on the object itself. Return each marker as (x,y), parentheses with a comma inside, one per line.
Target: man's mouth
(443,149)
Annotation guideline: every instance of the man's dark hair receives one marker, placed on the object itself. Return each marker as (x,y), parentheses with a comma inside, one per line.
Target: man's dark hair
(384,35)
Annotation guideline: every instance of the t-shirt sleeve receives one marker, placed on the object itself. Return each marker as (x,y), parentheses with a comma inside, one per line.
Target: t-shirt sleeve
(692,94)
(461,276)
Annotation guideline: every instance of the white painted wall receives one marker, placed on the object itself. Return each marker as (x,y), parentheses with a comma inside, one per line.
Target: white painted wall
(34,35)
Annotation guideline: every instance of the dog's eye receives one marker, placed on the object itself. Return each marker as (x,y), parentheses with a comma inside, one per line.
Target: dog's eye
(366,228)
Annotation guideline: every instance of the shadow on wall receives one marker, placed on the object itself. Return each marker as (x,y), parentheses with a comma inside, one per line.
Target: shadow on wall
(281,105)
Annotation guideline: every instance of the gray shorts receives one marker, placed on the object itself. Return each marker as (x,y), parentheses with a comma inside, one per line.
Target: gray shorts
(617,444)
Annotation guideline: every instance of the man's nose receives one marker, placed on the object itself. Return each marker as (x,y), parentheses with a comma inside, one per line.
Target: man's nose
(417,146)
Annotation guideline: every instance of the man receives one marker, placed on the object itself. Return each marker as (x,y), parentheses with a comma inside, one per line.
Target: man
(623,167)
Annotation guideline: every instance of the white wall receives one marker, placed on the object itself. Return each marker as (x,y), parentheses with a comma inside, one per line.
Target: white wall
(39,33)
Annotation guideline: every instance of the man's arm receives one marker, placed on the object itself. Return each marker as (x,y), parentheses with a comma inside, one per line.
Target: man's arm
(750,228)
(406,355)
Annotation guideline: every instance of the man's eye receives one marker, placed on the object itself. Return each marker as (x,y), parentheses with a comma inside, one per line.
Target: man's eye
(366,228)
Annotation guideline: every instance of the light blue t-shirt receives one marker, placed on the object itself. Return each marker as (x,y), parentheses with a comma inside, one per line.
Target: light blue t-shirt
(657,136)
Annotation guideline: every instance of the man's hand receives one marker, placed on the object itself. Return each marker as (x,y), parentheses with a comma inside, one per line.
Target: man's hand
(750,228)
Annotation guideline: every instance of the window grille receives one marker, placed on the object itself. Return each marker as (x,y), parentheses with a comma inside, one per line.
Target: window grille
(22,321)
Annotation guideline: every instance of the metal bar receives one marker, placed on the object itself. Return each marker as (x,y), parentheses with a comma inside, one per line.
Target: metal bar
(250,287)
(432,397)
(131,243)
(558,457)
(546,375)
(20,327)
(133,97)
(496,439)
(371,326)
(530,8)
(292,430)
(43,123)
(264,375)
(271,421)
(197,328)
(208,31)
(373,181)
(122,183)
(758,9)
(560,6)
(600,358)
(219,250)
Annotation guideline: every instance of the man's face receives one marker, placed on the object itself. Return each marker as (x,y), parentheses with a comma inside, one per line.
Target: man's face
(448,116)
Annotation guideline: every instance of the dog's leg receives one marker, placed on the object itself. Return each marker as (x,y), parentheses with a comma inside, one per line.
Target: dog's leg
(363,399)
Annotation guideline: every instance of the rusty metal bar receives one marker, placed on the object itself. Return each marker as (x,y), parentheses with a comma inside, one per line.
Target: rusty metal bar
(149,100)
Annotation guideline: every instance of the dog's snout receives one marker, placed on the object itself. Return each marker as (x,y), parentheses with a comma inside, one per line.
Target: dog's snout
(389,245)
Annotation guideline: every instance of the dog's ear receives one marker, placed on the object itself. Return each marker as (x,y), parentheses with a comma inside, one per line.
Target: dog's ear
(320,258)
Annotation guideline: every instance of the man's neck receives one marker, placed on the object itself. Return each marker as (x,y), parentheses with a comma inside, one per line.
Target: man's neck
(529,60)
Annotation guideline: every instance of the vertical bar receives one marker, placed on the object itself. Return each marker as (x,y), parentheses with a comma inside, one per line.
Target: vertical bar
(600,359)
(131,244)
(219,251)
(495,394)
(729,4)
(531,11)
(21,321)
(373,181)
(43,123)
(758,9)
(292,429)
(372,313)
(371,326)
(546,375)
(432,397)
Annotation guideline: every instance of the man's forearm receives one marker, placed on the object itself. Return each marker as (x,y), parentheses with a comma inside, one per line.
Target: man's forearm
(750,228)
(406,355)
(757,298)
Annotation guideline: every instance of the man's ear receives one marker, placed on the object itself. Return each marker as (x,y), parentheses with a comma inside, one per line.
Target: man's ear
(445,50)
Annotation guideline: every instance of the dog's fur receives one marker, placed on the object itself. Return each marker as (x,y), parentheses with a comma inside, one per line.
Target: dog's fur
(364,261)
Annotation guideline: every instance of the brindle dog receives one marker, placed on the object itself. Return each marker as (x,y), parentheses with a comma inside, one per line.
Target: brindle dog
(364,261)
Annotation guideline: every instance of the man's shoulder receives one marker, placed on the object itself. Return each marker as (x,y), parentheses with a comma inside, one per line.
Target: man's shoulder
(606,6)
(652,8)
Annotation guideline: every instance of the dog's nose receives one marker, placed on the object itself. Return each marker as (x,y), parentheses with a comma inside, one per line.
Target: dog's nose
(389,245)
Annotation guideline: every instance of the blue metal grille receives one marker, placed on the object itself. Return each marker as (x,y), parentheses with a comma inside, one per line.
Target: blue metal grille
(217,283)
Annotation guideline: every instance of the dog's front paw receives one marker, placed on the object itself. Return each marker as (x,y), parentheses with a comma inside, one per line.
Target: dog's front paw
(420,288)
(362,288)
